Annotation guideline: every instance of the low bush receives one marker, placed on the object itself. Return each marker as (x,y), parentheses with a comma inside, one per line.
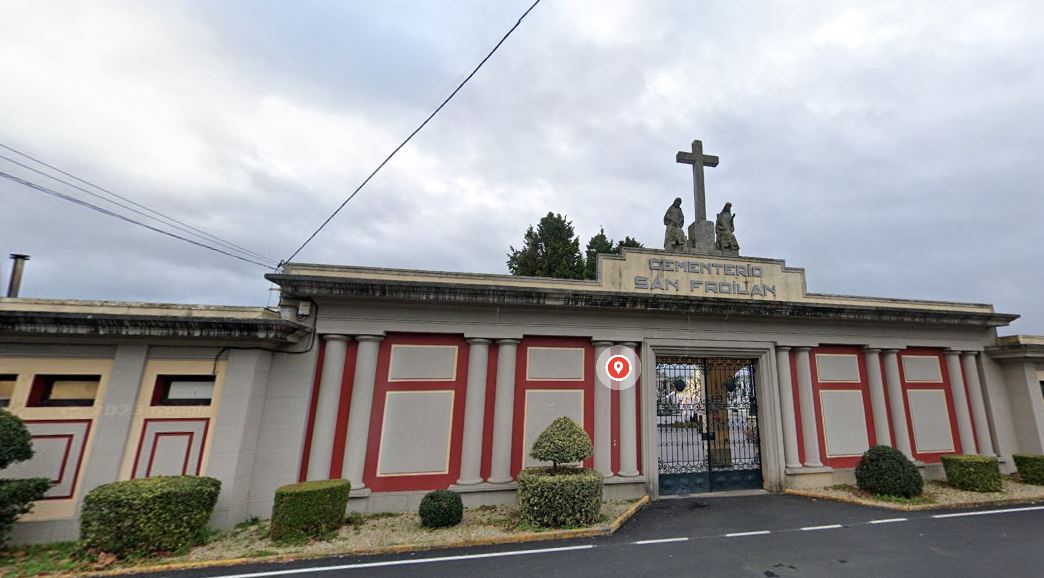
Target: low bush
(148,515)
(1031,468)
(16,495)
(441,508)
(309,509)
(557,498)
(885,471)
(972,473)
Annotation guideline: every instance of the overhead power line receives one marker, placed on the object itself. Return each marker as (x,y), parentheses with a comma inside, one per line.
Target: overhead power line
(141,210)
(105,211)
(415,131)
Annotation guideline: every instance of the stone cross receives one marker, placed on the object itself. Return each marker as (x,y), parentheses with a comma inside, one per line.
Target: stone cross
(698,160)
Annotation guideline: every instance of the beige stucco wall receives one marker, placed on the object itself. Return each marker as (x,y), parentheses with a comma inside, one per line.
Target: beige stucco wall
(617,273)
(26,368)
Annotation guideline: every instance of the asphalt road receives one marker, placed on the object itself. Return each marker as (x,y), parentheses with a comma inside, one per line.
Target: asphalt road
(767,536)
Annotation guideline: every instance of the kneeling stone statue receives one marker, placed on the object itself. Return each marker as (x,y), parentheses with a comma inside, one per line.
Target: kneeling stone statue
(674,220)
(725,230)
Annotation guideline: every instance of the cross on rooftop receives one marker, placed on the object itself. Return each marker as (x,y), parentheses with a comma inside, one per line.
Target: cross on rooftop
(698,160)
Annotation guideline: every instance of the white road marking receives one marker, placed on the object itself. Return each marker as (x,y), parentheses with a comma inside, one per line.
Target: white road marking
(888,520)
(827,527)
(406,562)
(987,512)
(754,533)
(662,541)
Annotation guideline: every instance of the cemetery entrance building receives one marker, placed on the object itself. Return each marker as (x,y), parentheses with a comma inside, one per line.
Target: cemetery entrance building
(707,425)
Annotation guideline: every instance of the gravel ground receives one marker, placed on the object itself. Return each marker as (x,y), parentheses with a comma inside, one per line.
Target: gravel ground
(937,494)
(377,531)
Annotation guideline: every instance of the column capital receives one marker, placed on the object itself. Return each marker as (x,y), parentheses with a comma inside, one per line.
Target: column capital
(952,352)
(508,341)
(803,348)
(631,344)
(369,338)
(969,352)
(602,343)
(783,348)
(871,349)
(889,351)
(336,337)
(479,340)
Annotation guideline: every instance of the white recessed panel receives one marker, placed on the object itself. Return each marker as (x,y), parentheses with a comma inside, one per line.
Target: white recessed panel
(555,363)
(544,406)
(931,421)
(170,454)
(415,435)
(838,368)
(844,423)
(922,369)
(423,363)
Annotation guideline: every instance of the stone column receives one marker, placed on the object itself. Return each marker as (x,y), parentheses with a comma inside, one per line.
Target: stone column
(960,402)
(503,411)
(474,412)
(896,402)
(786,403)
(628,428)
(326,409)
(809,427)
(359,411)
(603,419)
(978,404)
(877,396)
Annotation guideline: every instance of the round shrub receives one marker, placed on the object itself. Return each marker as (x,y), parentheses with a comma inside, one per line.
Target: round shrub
(1031,468)
(309,509)
(16,496)
(973,473)
(563,442)
(148,515)
(441,508)
(559,498)
(886,471)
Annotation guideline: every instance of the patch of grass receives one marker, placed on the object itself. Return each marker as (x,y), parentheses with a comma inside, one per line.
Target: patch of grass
(248,523)
(260,553)
(841,487)
(33,560)
(354,519)
(379,515)
(915,501)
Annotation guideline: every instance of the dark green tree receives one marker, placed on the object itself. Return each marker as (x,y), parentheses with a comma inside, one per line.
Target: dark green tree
(600,243)
(550,250)
(16,495)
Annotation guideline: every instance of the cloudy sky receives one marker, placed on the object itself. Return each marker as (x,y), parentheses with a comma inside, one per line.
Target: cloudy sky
(890,148)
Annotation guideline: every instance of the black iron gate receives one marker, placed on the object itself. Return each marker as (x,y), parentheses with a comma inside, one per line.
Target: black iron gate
(707,422)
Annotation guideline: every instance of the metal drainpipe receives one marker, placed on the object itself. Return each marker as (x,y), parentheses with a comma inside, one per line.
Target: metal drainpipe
(16,274)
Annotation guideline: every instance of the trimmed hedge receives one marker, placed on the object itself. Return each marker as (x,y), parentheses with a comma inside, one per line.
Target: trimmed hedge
(148,515)
(309,509)
(1031,468)
(563,442)
(562,497)
(885,471)
(441,508)
(972,473)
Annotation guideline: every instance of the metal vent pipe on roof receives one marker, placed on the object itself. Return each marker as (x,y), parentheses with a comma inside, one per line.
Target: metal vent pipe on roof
(16,274)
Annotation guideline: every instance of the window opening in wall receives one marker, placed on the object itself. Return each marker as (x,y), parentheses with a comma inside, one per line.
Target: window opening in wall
(64,390)
(7,383)
(183,390)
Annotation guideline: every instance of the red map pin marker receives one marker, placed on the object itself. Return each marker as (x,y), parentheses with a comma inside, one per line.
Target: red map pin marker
(618,367)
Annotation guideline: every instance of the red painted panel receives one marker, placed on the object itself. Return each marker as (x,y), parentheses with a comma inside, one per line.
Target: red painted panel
(522,384)
(341,429)
(155,444)
(381,389)
(487,424)
(797,405)
(302,473)
(932,457)
(862,386)
(79,459)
